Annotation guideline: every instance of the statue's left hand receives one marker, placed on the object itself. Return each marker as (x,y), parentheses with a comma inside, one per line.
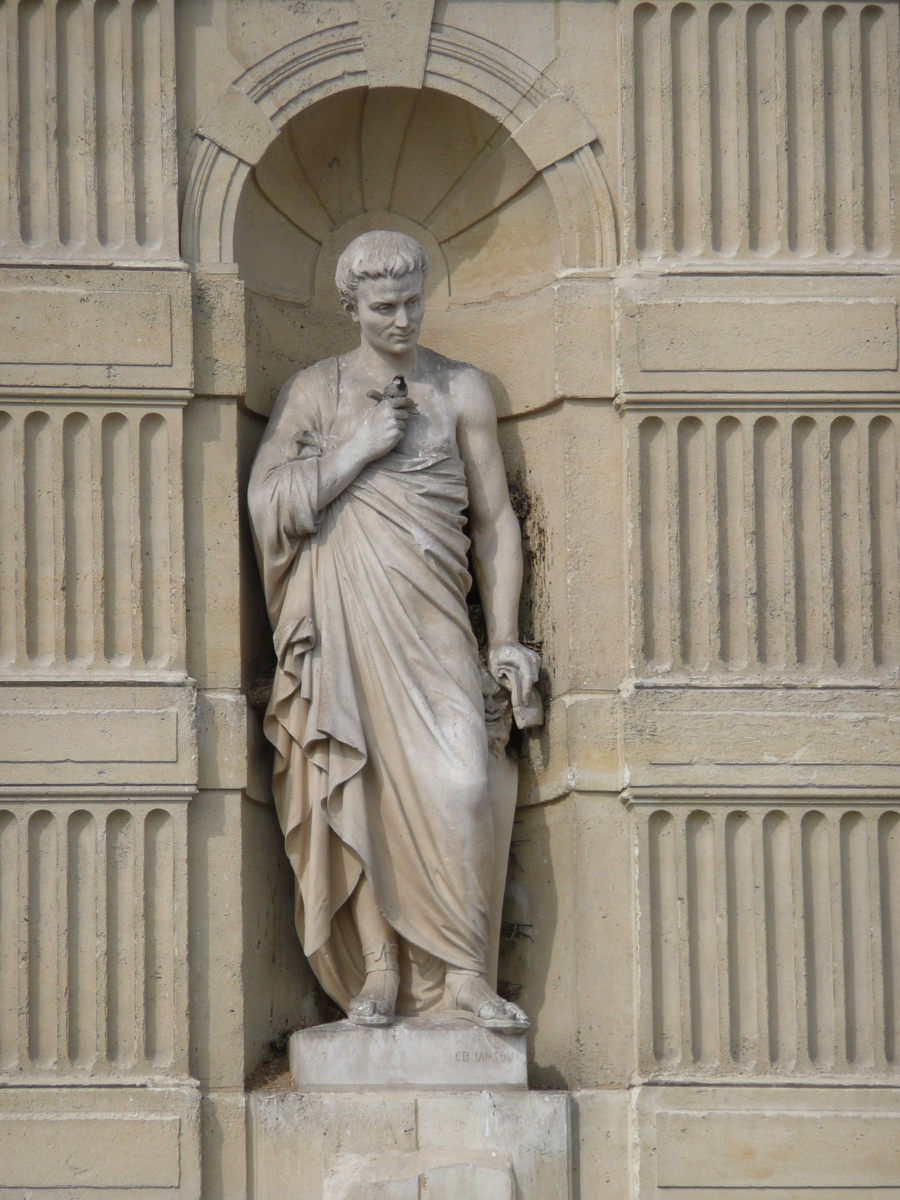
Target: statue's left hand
(516,668)
(512,658)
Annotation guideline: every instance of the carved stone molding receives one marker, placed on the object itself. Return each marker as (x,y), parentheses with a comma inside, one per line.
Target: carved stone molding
(553,133)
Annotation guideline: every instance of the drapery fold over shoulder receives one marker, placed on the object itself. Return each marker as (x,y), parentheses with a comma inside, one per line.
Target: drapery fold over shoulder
(376,713)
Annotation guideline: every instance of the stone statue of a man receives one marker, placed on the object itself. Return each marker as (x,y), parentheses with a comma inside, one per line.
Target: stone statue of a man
(358,498)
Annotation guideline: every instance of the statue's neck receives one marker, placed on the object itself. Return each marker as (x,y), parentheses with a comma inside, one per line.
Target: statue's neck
(377,363)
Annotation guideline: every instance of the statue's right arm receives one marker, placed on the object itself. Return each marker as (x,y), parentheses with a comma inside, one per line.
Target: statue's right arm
(295,488)
(378,432)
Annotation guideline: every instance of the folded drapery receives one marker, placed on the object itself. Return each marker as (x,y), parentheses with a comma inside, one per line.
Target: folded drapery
(376,714)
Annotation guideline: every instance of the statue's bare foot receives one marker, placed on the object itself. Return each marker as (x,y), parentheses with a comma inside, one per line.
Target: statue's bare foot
(375,1004)
(471,996)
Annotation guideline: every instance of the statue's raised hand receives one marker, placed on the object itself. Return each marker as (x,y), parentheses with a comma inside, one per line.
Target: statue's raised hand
(383,427)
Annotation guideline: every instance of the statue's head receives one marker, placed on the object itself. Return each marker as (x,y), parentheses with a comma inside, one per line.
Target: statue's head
(381,279)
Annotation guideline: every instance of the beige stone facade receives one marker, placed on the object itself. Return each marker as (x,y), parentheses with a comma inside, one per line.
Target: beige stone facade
(669,232)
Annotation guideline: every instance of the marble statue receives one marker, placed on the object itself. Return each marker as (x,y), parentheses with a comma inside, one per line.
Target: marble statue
(358,499)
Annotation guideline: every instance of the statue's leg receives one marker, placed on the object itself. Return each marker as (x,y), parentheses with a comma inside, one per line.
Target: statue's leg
(376,1002)
(468,994)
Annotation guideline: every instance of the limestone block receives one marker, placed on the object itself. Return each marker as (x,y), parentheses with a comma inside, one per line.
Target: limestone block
(414,1052)
(109,868)
(92,180)
(108,329)
(743,334)
(290,1135)
(92,585)
(205,63)
(212,544)
(412,1176)
(282,180)
(601,1164)
(259,760)
(596,558)
(260,30)
(100,1141)
(220,367)
(278,258)
(776,894)
(824,1140)
(214,179)
(554,130)
(576,750)
(757,737)
(223,1144)
(727,194)
(239,126)
(583,339)
(755,591)
(566,923)
(534,454)
(257,650)
(487,193)
(604,945)
(525,29)
(531,1127)
(395,40)
(222,739)
(98,735)
(216,940)
(296,1139)
(585,68)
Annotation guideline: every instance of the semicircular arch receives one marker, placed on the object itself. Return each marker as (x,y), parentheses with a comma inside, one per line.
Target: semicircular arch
(553,134)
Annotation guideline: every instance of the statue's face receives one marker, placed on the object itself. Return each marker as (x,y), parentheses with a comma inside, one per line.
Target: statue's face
(389,312)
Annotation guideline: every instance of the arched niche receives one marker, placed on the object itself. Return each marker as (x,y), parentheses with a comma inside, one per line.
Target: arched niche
(532,141)
(420,161)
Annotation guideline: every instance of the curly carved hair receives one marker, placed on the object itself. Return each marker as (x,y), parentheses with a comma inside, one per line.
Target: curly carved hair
(379,254)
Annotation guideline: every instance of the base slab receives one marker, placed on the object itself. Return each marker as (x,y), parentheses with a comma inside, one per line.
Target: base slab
(414,1052)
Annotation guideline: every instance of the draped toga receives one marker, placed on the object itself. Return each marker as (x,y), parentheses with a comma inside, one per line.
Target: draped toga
(376,714)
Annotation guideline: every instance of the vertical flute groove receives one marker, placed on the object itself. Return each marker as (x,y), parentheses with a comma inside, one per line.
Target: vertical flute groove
(780,124)
(9,927)
(648,121)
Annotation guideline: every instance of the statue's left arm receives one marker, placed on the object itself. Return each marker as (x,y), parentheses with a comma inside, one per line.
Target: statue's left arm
(496,538)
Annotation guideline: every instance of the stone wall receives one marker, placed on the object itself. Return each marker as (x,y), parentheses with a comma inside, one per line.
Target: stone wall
(668,232)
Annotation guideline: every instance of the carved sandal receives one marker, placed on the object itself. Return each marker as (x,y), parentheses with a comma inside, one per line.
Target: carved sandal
(375,1004)
(492,1012)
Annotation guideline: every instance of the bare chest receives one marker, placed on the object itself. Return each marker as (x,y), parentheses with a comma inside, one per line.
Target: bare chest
(430,428)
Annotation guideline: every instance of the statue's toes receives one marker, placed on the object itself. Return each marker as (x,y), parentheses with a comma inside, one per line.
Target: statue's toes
(366,1011)
(501,1016)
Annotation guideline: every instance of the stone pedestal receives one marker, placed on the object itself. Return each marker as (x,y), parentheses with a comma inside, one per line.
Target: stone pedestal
(431,1106)
(402,1145)
(425,1053)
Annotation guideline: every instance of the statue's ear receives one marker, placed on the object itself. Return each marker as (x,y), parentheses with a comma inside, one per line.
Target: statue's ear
(348,304)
